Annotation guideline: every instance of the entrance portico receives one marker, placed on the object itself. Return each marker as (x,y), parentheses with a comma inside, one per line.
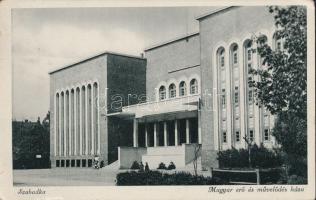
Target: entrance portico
(166,130)
(162,130)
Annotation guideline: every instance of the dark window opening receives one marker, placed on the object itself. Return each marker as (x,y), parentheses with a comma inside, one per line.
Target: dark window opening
(57,163)
(84,162)
(78,163)
(89,162)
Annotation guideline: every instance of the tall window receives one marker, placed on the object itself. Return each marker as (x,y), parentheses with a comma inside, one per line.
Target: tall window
(250,91)
(266,134)
(237,136)
(193,86)
(172,91)
(235,55)
(251,135)
(249,54)
(249,51)
(278,46)
(223,98)
(182,88)
(222,58)
(162,93)
(224,136)
(236,96)
(278,42)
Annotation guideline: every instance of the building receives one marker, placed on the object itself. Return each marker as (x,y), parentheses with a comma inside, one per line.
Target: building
(82,95)
(188,93)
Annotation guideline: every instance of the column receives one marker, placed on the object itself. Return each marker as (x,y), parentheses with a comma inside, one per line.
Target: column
(55,122)
(59,127)
(187,131)
(155,135)
(176,134)
(86,120)
(75,122)
(199,128)
(258,135)
(229,88)
(80,121)
(146,135)
(216,110)
(165,134)
(243,82)
(69,124)
(135,133)
(98,119)
(92,121)
(65,124)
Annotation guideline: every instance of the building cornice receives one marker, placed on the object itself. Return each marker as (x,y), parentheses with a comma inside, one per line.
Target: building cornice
(171,41)
(95,56)
(217,11)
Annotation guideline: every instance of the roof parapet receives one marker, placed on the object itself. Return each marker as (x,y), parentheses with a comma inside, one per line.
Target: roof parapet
(214,12)
(95,56)
(171,41)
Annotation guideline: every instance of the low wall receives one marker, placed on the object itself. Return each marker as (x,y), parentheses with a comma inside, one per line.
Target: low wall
(127,155)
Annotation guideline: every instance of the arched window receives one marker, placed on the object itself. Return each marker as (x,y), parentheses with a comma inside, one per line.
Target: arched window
(262,39)
(278,42)
(172,91)
(193,86)
(235,55)
(222,58)
(182,88)
(249,51)
(162,92)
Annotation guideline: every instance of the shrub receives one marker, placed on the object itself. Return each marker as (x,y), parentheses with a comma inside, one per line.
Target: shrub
(261,157)
(159,178)
(135,165)
(162,166)
(297,180)
(171,166)
(270,176)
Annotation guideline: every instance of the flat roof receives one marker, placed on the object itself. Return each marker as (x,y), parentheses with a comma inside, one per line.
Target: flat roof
(95,56)
(213,12)
(171,41)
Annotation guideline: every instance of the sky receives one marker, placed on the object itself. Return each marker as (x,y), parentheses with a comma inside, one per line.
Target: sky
(44,39)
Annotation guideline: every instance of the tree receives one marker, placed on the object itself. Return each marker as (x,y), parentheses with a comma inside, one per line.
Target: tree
(31,139)
(282,85)
(197,153)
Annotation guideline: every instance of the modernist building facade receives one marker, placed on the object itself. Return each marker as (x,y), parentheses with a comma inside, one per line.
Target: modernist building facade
(188,93)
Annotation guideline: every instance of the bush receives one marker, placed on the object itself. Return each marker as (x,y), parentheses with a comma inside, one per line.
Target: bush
(261,157)
(297,180)
(171,166)
(135,165)
(162,166)
(159,178)
(270,176)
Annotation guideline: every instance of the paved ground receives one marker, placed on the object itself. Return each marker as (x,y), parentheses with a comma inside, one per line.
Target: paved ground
(79,176)
(64,177)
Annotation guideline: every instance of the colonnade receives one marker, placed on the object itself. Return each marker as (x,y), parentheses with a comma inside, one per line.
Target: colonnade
(165,133)
(76,120)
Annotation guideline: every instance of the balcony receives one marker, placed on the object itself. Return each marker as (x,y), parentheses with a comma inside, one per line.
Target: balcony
(179,104)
